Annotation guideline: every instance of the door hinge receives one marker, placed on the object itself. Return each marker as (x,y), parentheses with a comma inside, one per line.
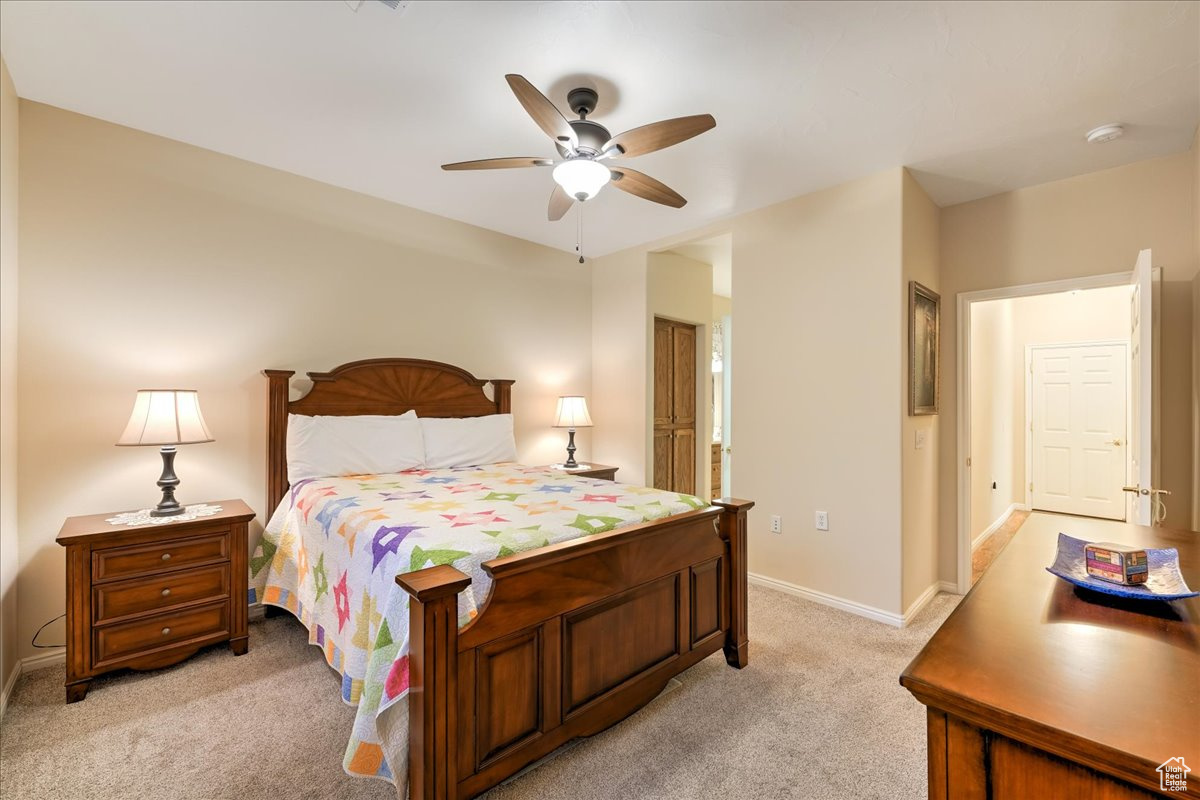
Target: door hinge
(968,462)
(1031,486)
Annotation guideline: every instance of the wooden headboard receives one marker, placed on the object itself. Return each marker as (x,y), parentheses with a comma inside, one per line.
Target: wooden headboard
(374,386)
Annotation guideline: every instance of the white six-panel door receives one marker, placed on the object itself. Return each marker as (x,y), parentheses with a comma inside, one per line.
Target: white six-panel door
(1078,445)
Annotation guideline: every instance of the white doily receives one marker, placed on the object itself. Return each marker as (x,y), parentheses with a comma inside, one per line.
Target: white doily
(135,518)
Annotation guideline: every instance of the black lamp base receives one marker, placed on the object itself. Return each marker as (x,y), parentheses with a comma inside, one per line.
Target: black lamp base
(168,506)
(570,463)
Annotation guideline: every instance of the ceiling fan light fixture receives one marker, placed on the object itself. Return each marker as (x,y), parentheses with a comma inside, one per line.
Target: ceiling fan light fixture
(581,178)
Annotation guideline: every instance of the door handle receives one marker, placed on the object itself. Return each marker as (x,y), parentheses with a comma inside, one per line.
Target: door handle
(1115,442)
(1135,489)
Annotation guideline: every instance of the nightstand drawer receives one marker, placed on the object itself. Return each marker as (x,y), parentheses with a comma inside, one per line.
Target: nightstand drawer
(126,562)
(115,600)
(143,635)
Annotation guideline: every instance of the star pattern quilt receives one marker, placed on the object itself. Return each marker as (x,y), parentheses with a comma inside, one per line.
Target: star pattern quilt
(332,549)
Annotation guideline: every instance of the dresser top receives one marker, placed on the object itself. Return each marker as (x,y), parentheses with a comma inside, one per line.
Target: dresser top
(1116,678)
(77,529)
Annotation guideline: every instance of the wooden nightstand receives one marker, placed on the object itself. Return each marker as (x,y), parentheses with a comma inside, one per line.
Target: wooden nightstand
(149,596)
(601,471)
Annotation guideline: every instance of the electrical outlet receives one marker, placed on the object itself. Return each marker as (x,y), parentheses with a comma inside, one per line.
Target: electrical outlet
(776,524)
(822,520)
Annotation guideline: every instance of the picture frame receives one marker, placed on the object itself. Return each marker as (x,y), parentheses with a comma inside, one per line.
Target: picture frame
(924,339)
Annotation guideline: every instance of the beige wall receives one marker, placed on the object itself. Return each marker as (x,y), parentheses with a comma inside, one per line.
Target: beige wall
(815,388)
(9,556)
(680,289)
(721,307)
(1001,330)
(919,467)
(148,262)
(1088,225)
(817,384)
(993,413)
(620,403)
(1196,333)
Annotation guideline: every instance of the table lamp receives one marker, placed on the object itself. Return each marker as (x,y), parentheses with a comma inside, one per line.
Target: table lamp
(166,417)
(572,414)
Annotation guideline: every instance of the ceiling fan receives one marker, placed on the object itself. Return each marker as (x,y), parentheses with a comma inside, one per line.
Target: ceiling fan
(584,145)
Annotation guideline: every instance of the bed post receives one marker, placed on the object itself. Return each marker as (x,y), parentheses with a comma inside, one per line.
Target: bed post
(433,681)
(733,530)
(277,412)
(502,394)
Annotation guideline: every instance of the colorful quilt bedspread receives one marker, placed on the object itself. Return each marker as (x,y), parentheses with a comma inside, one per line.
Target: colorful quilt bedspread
(332,550)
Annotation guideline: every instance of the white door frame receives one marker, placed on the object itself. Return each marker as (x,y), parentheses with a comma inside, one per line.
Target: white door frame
(1029,348)
(964,302)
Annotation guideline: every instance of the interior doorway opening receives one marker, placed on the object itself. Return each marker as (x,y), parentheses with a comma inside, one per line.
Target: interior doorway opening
(717,435)
(1055,405)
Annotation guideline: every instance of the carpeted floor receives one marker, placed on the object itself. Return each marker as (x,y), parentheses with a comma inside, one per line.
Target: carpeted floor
(817,714)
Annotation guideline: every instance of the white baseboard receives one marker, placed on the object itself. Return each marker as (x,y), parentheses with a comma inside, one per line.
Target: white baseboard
(949,587)
(256,612)
(995,526)
(58,656)
(870,612)
(9,685)
(30,664)
(920,603)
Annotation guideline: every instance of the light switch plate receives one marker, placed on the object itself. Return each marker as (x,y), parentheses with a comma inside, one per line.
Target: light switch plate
(922,436)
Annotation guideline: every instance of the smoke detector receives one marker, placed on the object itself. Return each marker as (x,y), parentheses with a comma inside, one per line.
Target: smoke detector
(1105,133)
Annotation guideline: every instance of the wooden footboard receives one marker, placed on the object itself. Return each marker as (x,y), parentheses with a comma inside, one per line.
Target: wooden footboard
(573,638)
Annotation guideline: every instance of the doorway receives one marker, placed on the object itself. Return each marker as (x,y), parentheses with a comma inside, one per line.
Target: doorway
(995,414)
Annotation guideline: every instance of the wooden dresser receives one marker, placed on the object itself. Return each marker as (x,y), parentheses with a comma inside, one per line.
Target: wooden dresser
(149,596)
(1035,689)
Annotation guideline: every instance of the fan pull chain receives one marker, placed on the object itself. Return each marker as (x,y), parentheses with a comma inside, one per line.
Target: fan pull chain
(579,235)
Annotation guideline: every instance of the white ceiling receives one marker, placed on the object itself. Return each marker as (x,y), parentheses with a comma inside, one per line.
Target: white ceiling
(976,98)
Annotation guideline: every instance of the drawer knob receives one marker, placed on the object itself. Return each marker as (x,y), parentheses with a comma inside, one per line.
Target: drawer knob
(166,556)
(166,592)
(166,631)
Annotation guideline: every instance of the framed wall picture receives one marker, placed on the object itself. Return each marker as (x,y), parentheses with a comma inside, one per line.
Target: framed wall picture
(924,320)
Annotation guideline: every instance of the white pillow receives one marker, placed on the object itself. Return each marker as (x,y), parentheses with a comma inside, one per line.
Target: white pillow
(322,447)
(469,441)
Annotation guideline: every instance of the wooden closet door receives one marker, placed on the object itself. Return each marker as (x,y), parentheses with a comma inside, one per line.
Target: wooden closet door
(674,406)
(683,472)
(663,377)
(664,458)
(683,376)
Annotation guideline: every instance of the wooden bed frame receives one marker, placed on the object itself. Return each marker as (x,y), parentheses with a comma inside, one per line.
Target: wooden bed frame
(573,638)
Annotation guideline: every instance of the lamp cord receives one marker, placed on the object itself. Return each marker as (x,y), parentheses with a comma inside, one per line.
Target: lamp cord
(34,641)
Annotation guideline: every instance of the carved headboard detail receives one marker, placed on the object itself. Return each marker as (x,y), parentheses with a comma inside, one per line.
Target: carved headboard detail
(374,386)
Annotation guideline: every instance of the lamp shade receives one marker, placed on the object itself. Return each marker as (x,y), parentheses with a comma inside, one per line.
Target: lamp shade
(572,413)
(581,178)
(165,417)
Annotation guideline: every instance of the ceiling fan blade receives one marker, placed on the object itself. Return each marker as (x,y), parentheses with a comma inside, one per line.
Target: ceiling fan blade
(544,113)
(642,185)
(499,163)
(658,135)
(560,203)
